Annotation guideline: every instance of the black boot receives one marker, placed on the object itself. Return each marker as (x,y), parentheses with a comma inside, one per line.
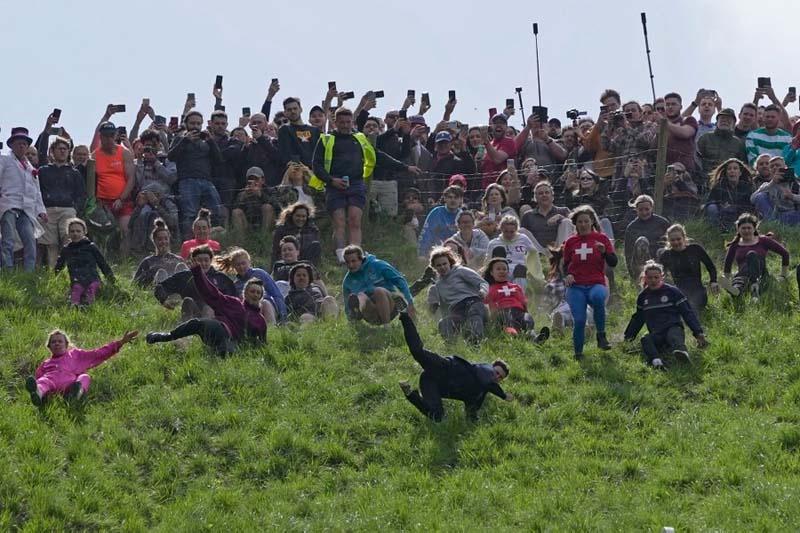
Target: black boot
(602,341)
(154,337)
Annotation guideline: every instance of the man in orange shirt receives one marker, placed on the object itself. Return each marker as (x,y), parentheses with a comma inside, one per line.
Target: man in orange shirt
(115,178)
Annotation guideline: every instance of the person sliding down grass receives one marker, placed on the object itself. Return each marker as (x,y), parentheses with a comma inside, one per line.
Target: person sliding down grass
(234,319)
(65,370)
(507,302)
(662,306)
(450,377)
(373,289)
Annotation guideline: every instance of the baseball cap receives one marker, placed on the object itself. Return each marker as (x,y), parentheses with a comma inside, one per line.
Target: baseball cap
(417,120)
(500,116)
(443,136)
(727,111)
(255,171)
(107,127)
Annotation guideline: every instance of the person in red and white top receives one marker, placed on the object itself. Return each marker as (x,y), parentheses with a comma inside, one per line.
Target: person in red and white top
(507,301)
(586,255)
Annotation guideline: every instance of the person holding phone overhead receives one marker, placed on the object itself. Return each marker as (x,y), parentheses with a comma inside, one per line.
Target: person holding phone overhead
(115,175)
(296,140)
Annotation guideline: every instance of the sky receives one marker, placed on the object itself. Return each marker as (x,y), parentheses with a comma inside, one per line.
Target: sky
(82,58)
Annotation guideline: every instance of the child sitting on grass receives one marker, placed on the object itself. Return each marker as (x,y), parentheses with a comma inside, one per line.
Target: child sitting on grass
(65,370)
(82,257)
(507,302)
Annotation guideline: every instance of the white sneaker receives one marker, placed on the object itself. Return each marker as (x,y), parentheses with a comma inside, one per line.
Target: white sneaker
(657,363)
(754,292)
(340,255)
(726,283)
(682,355)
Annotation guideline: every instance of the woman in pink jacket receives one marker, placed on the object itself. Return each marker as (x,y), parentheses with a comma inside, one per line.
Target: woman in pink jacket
(65,370)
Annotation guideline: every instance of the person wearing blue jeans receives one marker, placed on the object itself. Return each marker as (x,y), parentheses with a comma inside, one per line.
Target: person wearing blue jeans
(775,200)
(586,255)
(194,193)
(578,297)
(20,201)
(195,154)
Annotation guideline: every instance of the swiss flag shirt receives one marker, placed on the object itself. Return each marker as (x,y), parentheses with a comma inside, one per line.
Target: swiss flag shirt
(506,295)
(584,261)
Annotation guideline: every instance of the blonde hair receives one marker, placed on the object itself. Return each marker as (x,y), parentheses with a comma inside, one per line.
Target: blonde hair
(306,172)
(225,261)
(78,221)
(672,229)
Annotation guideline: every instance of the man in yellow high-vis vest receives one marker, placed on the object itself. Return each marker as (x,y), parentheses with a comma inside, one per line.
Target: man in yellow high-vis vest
(343,164)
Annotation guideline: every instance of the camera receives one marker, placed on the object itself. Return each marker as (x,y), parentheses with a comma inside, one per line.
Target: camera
(573,114)
(617,117)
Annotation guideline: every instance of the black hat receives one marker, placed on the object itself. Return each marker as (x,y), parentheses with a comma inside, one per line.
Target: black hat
(19,133)
(107,127)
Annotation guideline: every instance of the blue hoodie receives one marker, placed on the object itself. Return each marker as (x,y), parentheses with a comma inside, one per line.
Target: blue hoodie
(440,225)
(271,290)
(374,273)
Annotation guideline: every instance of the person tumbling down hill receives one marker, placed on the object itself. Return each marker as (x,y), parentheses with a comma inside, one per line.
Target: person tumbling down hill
(373,289)
(450,377)
(234,319)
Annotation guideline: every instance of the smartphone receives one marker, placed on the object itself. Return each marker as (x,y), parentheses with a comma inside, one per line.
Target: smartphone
(331,85)
(160,121)
(411,93)
(348,95)
(463,129)
(451,95)
(541,112)
(56,114)
(510,163)
(402,114)
(122,130)
(378,94)
(426,99)
(518,89)
(245,111)
(764,82)
(492,112)
(218,82)
(604,109)
(452,125)
(274,80)
(56,131)
(509,103)
(793,91)
(173,122)
(145,102)
(119,108)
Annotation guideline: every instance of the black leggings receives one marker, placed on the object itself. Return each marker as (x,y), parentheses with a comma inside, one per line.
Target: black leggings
(212,332)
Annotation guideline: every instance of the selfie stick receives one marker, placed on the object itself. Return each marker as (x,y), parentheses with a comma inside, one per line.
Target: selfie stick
(647,48)
(538,79)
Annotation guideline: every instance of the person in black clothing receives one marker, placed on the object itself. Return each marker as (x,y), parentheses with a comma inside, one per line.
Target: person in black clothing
(445,164)
(296,140)
(163,263)
(195,153)
(344,179)
(644,235)
(262,152)
(730,187)
(298,220)
(450,377)
(227,173)
(63,193)
(682,259)
(387,185)
(82,258)
(661,307)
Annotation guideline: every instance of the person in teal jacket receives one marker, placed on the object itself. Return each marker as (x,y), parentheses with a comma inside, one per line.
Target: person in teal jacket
(791,152)
(440,224)
(373,289)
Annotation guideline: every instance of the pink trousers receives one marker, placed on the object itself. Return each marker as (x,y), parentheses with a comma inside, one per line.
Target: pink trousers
(80,291)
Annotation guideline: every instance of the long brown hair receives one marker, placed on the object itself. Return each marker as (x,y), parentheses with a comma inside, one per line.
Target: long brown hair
(744,218)
(719,174)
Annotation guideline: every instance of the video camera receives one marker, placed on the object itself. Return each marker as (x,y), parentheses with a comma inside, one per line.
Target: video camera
(573,114)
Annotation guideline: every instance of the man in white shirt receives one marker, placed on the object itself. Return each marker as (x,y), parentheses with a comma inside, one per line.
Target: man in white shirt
(21,206)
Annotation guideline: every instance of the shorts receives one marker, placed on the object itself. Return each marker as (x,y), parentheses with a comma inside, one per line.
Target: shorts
(125,210)
(354,196)
(55,230)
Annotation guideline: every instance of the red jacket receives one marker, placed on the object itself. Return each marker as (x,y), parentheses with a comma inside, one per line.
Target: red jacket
(506,295)
(582,259)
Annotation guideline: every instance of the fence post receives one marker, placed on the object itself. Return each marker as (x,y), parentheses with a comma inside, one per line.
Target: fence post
(661,166)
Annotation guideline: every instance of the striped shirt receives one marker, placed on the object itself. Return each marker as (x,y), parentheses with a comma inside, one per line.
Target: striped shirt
(760,142)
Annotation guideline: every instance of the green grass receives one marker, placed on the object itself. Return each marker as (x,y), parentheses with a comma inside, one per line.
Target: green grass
(312,432)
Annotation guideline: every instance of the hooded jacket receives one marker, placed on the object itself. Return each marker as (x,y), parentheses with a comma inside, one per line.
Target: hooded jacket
(457,285)
(239,317)
(374,273)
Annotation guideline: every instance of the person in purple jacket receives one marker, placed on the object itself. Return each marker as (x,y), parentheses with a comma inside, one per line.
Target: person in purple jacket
(234,319)
(749,250)
(65,370)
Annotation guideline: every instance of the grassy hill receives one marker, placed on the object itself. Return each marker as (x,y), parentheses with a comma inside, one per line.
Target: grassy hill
(312,432)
